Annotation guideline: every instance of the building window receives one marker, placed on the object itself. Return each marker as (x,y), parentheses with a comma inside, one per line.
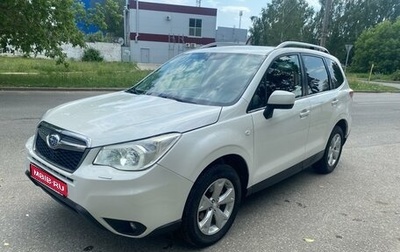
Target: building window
(195,27)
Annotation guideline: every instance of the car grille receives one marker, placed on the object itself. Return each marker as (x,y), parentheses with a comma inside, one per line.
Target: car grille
(68,156)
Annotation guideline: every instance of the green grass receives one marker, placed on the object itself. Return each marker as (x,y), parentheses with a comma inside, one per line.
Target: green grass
(28,72)
(361,86)
(374,76)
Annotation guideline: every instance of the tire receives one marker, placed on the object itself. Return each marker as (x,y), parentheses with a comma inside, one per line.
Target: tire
(210,213)
(332,153)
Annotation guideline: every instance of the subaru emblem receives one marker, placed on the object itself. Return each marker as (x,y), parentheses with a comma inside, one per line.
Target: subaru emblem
(53,140)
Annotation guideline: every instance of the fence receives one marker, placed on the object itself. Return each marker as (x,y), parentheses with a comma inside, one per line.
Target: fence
(109,51)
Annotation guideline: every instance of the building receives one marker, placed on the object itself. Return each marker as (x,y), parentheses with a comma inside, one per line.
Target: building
(231,35)
(87,4)
(157,32)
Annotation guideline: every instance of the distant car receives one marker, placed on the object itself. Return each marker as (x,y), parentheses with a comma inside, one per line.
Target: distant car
(184,146)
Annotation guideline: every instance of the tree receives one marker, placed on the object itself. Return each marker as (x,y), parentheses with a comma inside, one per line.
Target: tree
(350,18)
(40,26)
(108,17)
(294,20)
(259,31)
(379,46)
(282,20)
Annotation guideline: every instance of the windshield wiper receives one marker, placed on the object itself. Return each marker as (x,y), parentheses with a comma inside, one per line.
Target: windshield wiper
(133,90)
(162,95)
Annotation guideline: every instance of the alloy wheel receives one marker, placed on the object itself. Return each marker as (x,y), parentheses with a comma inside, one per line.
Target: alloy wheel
(334,149)
(216,206)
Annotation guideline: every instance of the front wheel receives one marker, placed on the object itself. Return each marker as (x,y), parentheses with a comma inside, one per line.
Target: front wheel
(212,206)
(332,152)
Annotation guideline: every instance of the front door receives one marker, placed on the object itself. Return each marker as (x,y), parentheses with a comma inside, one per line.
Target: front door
(279,142)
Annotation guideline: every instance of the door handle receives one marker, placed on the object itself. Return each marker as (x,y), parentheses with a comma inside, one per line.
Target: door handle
(304,113)
(335,102)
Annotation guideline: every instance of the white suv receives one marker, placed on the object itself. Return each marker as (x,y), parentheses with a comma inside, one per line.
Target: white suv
(184,146)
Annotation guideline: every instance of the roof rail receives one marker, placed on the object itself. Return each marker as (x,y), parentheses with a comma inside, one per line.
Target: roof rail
(219,44)
(302,44)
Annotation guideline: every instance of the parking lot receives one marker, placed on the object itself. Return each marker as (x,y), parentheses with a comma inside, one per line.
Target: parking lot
(356,208)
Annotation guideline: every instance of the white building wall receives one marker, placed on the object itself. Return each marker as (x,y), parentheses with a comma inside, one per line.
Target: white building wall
(234,35)
(156,52)
(109,51)
(165,34)
(156,22)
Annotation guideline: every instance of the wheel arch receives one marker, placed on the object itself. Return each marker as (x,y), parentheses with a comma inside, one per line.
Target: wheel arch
(215,170)
(238,164)
(344,126)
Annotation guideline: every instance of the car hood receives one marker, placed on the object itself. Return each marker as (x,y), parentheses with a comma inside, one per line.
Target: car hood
(120,117)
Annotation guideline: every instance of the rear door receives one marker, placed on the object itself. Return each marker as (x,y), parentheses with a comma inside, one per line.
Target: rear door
(324,100)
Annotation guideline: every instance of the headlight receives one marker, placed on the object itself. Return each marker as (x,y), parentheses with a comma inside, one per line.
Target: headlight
(138,155)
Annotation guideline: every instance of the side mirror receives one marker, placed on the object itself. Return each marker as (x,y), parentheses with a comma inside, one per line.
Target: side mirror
(279,100)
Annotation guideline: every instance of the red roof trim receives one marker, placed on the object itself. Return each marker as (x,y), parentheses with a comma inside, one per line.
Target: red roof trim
(173,8)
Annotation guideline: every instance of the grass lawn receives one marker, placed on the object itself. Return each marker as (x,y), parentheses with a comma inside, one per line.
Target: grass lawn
(28,72)
(362,86)
(373,88)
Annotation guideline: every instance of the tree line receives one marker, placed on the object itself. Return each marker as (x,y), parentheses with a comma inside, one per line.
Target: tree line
(373,26)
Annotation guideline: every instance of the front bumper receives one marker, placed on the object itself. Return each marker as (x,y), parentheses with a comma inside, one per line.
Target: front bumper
(132,204)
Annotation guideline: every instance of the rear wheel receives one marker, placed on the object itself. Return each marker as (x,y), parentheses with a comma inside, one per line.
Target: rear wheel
(332,152)
(212,206)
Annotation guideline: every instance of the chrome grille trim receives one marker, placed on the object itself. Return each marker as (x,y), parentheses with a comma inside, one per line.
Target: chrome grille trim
(69,152)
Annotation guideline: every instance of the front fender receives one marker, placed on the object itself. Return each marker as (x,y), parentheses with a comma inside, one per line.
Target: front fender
(199,148)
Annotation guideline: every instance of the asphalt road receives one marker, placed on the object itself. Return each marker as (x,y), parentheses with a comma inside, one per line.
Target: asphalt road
(356,208)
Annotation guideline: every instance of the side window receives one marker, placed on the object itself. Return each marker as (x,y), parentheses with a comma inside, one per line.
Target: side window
(283,74)
(317,77)
(337,77)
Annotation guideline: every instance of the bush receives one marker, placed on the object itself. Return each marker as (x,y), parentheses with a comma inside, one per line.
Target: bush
(92,54)
(396,76)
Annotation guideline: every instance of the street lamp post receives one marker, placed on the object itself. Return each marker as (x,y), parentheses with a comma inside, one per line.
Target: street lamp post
(240,18)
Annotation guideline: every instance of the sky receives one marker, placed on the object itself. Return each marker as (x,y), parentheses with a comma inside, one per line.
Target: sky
(228,10)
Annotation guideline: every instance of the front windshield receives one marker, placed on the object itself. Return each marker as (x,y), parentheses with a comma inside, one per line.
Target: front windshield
(202,78)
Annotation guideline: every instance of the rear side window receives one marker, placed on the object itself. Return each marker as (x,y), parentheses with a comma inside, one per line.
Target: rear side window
(317,76)
(337,77)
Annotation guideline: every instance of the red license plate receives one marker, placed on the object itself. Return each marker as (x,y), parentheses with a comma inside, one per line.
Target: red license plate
(48,180)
